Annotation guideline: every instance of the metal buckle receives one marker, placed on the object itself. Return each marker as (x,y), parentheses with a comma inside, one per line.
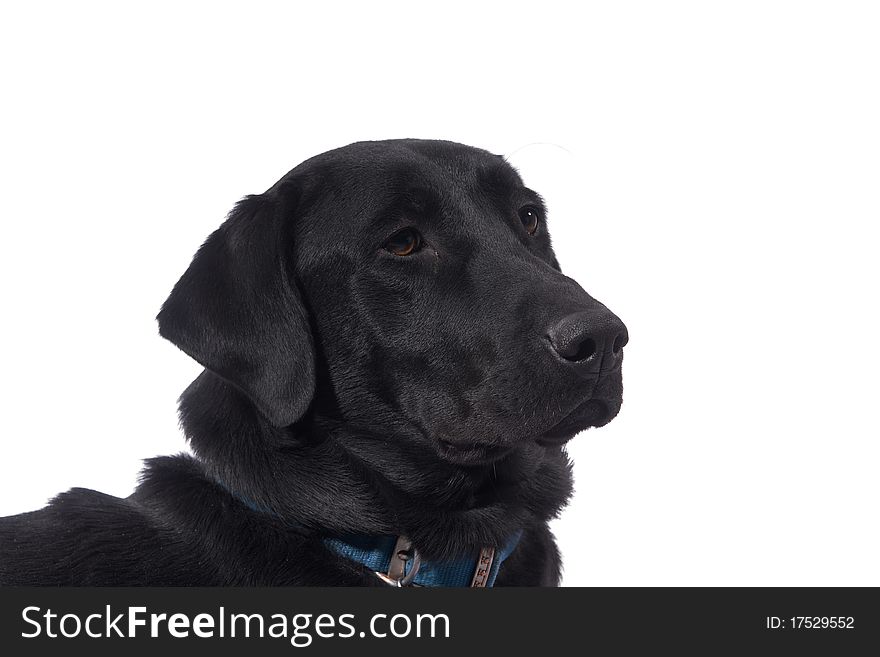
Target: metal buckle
(407,580)
(404,552)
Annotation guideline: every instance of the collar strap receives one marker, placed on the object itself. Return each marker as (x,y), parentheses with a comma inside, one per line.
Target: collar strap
(397,563)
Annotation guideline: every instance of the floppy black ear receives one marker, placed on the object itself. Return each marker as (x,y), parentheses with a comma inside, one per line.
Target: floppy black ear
(237,312)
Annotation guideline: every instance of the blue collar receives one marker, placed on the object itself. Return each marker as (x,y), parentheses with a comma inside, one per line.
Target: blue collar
(376,553)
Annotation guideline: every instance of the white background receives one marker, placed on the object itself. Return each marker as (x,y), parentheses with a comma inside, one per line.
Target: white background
(712,173)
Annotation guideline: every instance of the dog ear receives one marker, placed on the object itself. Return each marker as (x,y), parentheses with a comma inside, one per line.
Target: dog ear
(237,311)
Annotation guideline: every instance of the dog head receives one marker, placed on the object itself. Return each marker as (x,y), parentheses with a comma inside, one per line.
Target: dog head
(407,288)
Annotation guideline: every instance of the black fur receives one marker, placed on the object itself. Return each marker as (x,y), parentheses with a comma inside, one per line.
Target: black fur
(351,390)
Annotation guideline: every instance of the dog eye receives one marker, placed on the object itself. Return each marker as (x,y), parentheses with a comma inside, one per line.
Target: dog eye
(404,242)
(531,218)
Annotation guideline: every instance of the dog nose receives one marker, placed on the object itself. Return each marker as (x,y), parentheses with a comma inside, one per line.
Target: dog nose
(593,339)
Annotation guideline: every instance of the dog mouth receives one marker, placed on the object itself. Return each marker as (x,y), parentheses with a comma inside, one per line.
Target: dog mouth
(472,453)
(598,409)
(593,413)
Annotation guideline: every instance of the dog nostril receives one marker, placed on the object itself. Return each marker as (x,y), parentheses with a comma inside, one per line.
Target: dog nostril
(583,350)
(619,342)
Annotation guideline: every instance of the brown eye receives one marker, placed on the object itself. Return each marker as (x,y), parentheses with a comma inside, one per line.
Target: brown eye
(531,218)
(404,242)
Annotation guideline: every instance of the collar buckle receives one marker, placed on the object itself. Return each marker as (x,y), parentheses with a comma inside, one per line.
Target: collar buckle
(403,553)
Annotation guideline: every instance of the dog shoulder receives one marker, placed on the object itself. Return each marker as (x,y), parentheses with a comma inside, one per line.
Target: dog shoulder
(66,541)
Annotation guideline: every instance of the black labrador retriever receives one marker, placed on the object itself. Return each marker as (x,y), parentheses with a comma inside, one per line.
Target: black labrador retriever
(393,363)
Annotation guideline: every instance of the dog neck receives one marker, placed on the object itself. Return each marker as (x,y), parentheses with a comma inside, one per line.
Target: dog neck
(324,476)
